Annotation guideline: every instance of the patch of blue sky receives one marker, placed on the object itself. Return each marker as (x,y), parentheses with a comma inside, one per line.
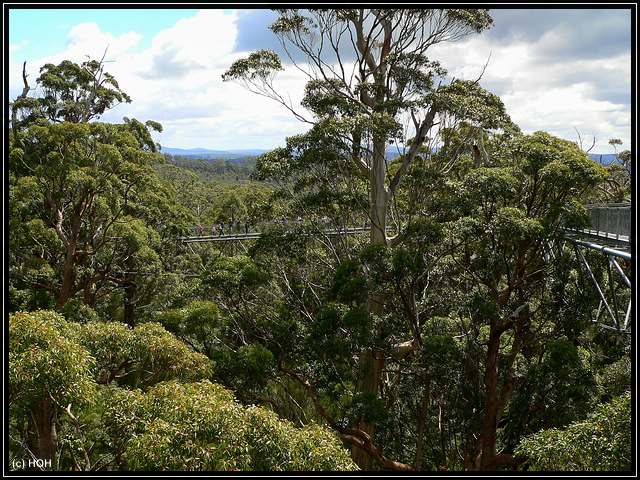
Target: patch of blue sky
(40,32)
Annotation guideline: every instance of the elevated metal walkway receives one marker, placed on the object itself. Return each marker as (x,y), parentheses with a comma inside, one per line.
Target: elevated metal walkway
(243,237)
(609,234)
(609,223)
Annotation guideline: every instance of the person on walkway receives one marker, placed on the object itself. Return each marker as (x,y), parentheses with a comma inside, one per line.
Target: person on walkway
(213,230)
(199,229)
(221,228)
(246,227)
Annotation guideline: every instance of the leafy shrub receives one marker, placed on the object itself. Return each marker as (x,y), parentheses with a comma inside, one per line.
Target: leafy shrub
(200,426)
(145,354)
(601,443)
(615,379)
(77,311)
(44,362)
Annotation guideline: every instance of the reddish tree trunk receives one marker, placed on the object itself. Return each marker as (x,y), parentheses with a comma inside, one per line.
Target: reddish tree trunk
(492,402)
(44,443)
(68,276)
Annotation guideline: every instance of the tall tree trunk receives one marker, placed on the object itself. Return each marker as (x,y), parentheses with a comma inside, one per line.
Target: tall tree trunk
(492,402)
(495,399)
(422,420)
(370,363)
(378,194)
(43,443)
(130,288)
(68,275)
(443,445)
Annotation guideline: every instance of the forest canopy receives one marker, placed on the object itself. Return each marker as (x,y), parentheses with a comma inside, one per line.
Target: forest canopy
(453,329)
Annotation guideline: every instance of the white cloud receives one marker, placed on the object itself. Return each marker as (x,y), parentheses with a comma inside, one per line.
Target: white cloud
(557,97)
(177,81)
(87,39)
(204,40)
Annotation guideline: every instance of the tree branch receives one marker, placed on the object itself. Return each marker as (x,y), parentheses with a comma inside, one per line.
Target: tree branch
(353,436)
(421,133)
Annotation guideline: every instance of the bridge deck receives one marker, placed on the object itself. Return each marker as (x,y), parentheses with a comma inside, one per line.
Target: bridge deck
(606,249)
(621,240)
(256,235)
(602,235)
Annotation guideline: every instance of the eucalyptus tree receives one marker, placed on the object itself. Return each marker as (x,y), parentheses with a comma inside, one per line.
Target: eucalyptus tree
(368,70)
(104,396)
(74,183)
(47,372)
(368,74)
(68,92)
(508,215)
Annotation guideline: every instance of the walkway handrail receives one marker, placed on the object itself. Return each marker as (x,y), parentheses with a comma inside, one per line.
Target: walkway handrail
(601,248)
(257,235)
(611,220)
(607,205)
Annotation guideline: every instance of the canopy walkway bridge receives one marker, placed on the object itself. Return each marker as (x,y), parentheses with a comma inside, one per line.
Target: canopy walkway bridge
(243,237)
(610,225)
(609,233)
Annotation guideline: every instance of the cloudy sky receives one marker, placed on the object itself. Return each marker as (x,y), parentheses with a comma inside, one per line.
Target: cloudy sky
(555,70)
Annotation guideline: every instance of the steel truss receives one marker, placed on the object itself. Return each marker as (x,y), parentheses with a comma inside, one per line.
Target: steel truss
(610,307)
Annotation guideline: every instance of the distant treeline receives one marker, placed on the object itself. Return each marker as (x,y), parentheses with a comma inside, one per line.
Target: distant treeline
(216,169)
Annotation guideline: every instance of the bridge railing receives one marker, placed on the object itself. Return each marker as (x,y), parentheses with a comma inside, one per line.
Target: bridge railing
(611,219)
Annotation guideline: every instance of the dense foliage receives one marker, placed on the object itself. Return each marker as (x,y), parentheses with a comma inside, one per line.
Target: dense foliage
(146,402)
(456,333)
(602,442)
(215,169)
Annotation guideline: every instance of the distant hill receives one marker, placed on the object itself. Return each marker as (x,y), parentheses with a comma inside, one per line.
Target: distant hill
(242,154)
(206,153)
(604,158)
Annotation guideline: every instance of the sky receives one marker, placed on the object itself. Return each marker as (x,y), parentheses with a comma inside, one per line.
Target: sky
(555,70)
